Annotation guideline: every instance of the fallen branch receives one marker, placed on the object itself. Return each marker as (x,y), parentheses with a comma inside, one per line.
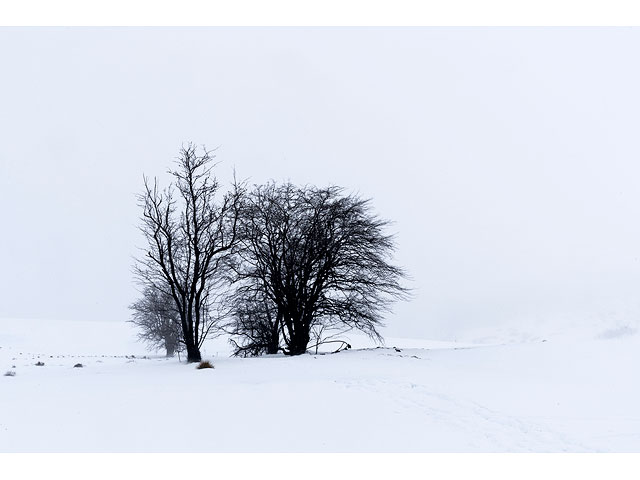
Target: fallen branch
(344,345)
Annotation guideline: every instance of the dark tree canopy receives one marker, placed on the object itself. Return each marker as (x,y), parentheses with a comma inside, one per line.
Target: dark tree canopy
(191,232)
(310,257)
(254,327)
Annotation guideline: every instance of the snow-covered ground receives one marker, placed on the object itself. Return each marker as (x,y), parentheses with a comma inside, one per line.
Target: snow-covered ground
(570,393)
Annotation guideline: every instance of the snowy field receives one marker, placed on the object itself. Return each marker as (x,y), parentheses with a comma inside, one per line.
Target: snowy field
(564,394)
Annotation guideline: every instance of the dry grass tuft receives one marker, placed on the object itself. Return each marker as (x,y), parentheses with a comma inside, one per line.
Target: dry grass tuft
(204,364)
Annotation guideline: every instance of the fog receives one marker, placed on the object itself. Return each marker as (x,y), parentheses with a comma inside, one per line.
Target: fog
(508,158)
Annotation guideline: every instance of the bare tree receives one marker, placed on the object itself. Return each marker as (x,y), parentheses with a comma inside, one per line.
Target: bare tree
(158,321)
(316,257)
(191,232)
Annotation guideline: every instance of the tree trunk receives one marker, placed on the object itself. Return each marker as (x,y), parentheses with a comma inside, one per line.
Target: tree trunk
(170,346)
(272,347)
(193,354)
(298,343)
(299,335)
(274,340)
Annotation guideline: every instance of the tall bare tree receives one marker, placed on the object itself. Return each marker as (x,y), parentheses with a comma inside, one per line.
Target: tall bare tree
(315,257)
(191,233)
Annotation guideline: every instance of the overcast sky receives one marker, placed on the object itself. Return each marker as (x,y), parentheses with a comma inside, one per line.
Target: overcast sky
(507,158)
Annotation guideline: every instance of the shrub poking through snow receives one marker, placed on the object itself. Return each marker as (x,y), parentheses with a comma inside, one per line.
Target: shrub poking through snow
(204,364)
(10,374)
(40,364)
(78,365)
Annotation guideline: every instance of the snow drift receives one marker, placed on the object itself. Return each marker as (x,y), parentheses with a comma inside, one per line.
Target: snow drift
(562,394)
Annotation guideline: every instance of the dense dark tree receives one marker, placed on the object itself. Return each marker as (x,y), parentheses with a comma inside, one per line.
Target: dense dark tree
(311,257)
(158,321)
(191,232)
(254,326)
